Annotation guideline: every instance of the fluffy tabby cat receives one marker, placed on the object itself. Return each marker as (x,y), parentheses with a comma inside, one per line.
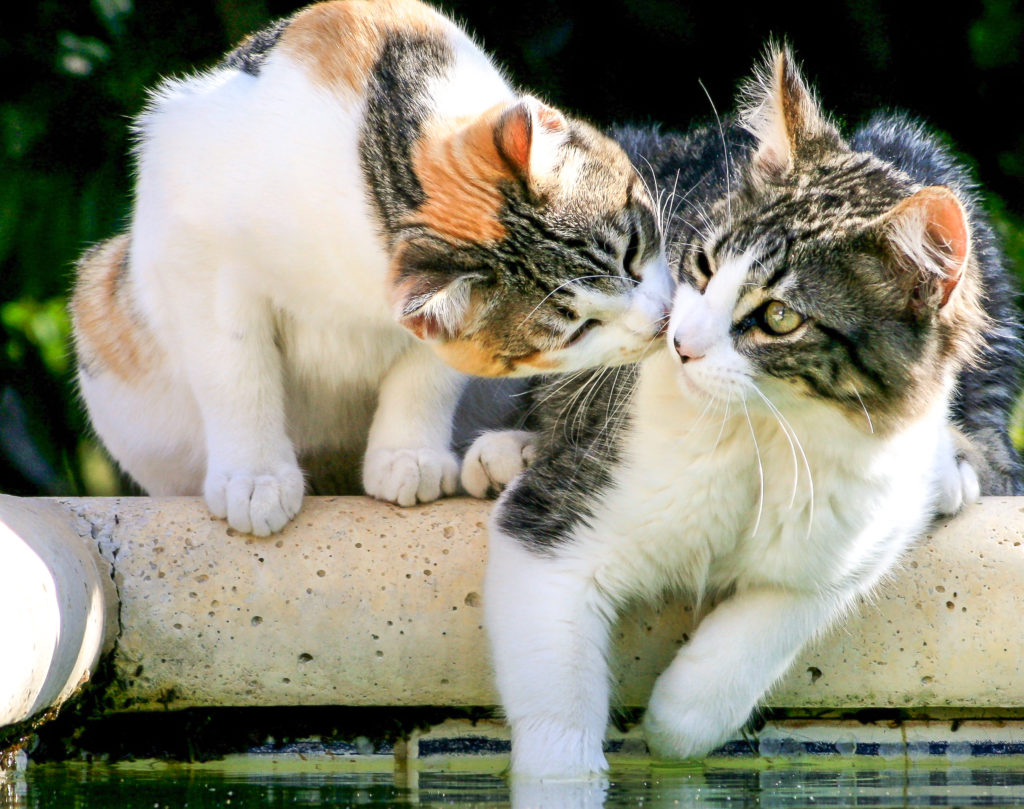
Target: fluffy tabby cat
(780,453)
(357,176)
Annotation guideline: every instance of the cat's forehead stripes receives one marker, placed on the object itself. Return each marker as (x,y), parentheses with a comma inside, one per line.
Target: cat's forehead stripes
(108,332)
(340,42)
(841,195)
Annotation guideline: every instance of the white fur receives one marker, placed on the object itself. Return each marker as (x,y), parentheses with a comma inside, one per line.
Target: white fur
(494,459)
(790,519)
(257,265)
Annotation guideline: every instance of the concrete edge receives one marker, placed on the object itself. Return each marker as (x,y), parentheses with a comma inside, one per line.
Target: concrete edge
(362,603)
(60,608)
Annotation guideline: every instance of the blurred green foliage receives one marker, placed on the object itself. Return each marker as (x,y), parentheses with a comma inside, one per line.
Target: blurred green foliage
(76,73)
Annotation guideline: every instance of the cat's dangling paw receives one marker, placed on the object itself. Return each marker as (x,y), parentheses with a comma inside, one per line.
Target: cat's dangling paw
(410,476)
(253,503)
(957,485)
(494,459)
(676,725)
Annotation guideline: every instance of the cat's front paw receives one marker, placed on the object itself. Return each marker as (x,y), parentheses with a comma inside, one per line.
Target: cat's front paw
(253,503)
(678,726)
(410,476)
(957,486)
(494,459)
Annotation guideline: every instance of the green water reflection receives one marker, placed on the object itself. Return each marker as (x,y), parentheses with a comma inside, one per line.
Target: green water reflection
(96,787)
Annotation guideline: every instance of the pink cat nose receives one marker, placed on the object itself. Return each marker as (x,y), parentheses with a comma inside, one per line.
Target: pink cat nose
(687,352)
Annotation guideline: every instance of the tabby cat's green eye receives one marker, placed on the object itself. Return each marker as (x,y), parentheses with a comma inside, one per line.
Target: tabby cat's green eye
(780,319)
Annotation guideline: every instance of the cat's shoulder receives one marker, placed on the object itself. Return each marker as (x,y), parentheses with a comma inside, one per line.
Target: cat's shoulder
(340,41)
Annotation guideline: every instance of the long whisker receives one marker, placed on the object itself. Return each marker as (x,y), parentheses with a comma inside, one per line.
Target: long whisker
(725,151)
(867,415)
(792,447)
(800,447)
(721,430)
(760,470)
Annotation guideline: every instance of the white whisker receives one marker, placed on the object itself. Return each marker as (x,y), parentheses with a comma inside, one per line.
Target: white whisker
(565,284)
(871,427)
(810,478)
(760,471)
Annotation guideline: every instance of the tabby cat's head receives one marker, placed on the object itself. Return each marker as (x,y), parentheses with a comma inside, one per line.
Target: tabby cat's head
(828,273)
(538,248)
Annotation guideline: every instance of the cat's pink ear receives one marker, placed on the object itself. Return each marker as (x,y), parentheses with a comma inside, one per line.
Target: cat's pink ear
(432,288)
(781,112)
(930,235)
(528,134)
(433,311)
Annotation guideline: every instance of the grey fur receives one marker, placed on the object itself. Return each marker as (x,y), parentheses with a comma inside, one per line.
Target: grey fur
(253,51)
(816,230)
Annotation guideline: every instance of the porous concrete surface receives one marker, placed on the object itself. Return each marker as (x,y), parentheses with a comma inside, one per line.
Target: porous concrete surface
(57,604)
(362,603)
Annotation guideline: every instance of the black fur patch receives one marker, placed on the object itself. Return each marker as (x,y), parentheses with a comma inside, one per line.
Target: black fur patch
(395,112)
(580,428)
(250,55)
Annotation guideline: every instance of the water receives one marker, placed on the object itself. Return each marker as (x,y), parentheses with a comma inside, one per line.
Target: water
(152,785)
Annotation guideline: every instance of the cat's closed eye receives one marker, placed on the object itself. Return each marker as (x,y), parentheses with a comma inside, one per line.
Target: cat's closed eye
(701,268)
(582,330)
(629,256)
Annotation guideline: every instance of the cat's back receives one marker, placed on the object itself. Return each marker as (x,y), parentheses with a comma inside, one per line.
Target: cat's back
(987,390)
(339,54)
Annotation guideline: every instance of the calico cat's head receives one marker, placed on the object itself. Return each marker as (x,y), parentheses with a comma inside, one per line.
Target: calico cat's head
(828,274)
(538,248)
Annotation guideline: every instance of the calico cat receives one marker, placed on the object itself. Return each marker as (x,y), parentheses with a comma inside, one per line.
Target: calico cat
(330,227)
(776,457)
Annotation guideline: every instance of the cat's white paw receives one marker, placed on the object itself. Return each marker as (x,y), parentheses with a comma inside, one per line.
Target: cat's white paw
(258,504)
(494,459)
(957,486)
(678,726)
(410,476)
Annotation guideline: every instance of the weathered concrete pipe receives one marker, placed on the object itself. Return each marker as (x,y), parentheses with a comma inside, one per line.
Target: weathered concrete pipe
(58,606)
(360,603)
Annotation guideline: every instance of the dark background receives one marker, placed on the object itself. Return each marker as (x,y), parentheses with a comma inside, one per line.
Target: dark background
(75,73)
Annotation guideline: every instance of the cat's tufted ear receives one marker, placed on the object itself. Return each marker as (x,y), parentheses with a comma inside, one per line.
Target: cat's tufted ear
(930,238)
(430,291)
(780,111)
(528,135)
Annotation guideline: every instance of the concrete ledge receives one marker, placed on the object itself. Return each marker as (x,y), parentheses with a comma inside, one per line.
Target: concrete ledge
(58,607)
(361,603)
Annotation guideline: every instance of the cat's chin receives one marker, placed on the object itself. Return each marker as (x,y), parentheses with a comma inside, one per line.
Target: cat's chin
(700,392)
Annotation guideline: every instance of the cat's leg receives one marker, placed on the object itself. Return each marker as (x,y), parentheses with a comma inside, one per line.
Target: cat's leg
(738,652)
(150,426)
(408,454)
(494,459)
(234,367)
(549,627)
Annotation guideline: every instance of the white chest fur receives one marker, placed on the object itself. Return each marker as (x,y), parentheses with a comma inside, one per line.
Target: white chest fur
(715,495)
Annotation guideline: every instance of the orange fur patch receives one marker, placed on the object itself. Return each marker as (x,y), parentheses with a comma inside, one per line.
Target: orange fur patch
(459,169)
(472,357)
(108,334)
(540,360)
(340,41)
